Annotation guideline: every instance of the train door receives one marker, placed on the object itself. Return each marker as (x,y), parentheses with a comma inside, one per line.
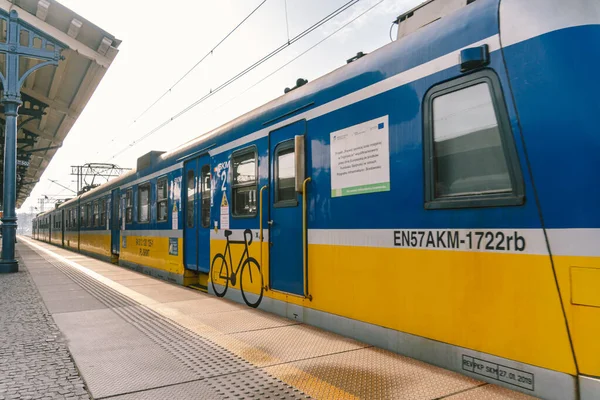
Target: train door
(62,227)
(115,223)
(285,212)
(196,231)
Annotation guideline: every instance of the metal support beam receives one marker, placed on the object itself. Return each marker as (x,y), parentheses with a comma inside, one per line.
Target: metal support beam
(58,106)
(12,81)
(42,149)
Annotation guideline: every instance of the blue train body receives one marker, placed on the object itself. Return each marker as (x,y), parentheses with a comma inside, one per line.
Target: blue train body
(449,213)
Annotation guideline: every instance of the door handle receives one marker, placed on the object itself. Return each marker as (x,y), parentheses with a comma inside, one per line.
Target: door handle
(270,222)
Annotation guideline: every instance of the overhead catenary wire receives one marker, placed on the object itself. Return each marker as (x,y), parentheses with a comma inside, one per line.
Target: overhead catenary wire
(189,71)
(197,63)
(296,58)
(301,54)
(212,92)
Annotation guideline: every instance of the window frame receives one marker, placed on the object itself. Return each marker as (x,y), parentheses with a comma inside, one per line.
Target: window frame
(139,208)
(516,196)
(246,150)
(190,221)
(202,210)
(88,213)
(102,212)
(95,213)
(281,147)
(165,200)
(129,191)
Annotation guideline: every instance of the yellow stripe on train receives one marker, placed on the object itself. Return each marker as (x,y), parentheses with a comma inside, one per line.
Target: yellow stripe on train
(500,304)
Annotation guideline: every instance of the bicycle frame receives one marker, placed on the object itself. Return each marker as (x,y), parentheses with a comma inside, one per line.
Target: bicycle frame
(245,254)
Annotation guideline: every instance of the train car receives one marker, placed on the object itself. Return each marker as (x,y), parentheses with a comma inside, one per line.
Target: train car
(151,238)
(424,198)
(43,227)
(71,221)
(56,227)
(94,226)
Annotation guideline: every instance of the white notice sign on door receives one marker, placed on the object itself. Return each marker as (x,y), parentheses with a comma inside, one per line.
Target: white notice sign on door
(360,158)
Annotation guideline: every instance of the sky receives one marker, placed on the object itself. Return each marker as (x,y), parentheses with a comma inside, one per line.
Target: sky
(160,44)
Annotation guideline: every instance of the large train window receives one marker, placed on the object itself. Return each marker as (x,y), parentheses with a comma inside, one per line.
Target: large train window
(129,206)
(161,200)
(285,175)
(191,190)
(470,156)
(243,183)
(205,195)
(88,212)
(144,203)
(95,213)
(102,221)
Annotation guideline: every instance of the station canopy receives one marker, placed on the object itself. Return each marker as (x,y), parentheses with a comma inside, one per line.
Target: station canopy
(53,97)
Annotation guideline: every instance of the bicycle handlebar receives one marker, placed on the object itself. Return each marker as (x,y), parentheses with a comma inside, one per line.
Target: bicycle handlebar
(248,231)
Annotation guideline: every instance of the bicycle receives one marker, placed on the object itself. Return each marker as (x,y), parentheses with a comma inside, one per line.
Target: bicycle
(248,265)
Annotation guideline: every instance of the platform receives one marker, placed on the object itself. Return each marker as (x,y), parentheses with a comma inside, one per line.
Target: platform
(135,337)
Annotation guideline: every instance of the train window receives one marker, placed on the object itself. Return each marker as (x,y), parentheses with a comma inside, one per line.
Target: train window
(243,184)
(285,175)
(144,203)
(205,188)
(82,217)
(191,190)
(102,221)
(471,159)
(95,213)
(129,206)
(88,213)
(162,200)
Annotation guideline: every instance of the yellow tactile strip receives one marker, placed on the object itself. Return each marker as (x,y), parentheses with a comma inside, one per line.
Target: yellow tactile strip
(321,364)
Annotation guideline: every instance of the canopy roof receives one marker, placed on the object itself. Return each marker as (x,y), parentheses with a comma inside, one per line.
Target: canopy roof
(54,97)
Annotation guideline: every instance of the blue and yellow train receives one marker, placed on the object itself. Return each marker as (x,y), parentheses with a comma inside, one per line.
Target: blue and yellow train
(431,198)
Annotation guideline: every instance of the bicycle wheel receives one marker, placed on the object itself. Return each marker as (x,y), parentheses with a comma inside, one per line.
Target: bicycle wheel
(251,283)
(219,272)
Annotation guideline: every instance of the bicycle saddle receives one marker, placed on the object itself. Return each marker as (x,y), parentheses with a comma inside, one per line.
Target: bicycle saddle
(228,233)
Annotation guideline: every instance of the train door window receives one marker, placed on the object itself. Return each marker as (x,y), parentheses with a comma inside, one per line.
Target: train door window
(191,190)
(88,212)
(82,216)
(161,200)
(471,159)
(95,213)
(129,206)
(102,221)
(285,175)
(144,203)
(205,189)
(243,184)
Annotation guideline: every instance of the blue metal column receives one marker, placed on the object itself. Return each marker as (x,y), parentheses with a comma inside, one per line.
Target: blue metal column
(9,219)
(48,51)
